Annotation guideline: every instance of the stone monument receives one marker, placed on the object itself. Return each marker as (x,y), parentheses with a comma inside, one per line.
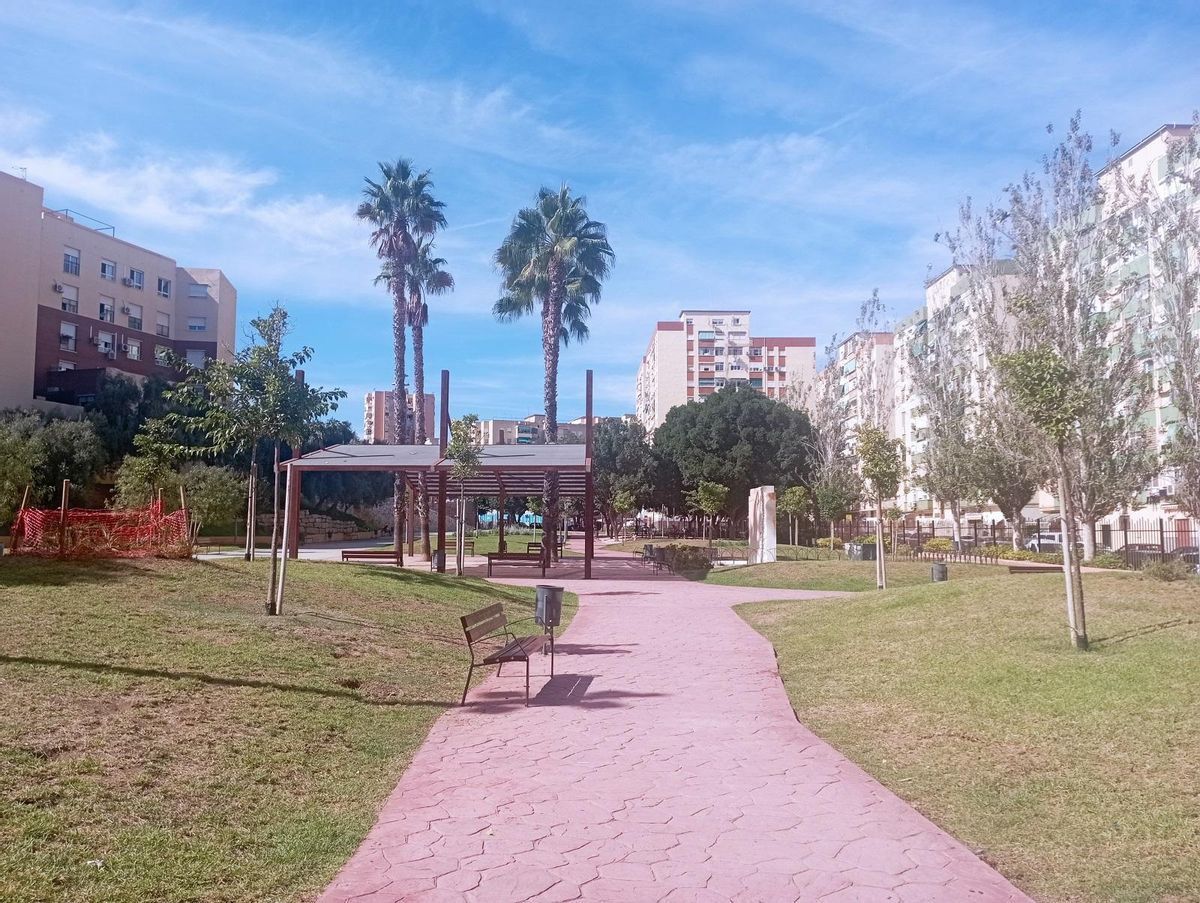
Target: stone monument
(762,524)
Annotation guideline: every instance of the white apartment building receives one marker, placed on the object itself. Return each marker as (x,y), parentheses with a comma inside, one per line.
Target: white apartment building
(704,350)
(80,303)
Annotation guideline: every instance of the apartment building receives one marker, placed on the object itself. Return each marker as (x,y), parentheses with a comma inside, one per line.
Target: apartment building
(866,384)
(80,303)
(704,350)
(529,431)
(379,409)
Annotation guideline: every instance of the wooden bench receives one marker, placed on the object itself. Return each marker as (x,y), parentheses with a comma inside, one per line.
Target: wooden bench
(490,625)
(532,547)
(368,555)
(521,559)
(1035,569)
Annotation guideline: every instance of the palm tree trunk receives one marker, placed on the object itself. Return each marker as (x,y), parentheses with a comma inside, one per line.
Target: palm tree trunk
(399,340)
(418,409)
(551,342)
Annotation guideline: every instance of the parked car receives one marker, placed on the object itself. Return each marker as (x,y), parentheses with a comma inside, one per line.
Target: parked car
(1188,554)
(1139,554)
(1044,542)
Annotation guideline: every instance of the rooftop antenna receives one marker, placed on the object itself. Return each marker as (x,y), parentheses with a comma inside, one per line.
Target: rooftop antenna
(23,170)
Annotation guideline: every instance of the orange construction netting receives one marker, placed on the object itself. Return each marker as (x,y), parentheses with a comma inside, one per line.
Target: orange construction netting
(87,533)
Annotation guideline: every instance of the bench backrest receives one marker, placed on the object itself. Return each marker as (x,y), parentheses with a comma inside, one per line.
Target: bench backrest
(479,624)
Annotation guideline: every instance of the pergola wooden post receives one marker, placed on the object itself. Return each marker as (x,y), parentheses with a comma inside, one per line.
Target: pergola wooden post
(589,521)
(443,442)
(292,514)
(500,513)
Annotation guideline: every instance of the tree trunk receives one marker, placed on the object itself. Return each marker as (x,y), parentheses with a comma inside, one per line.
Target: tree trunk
(1089,537)
(1018,530)
(551,343)
(418,412)
(274,533)
(880,550)
(251,512)
(1072,574)
(399,405)
(956,525)
(458,533)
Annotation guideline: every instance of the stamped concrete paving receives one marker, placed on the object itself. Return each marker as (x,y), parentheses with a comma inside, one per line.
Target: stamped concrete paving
(663,762)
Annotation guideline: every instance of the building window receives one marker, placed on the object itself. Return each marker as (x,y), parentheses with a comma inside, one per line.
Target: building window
(65,365)
(133,349)
(197,324)
(736,321)
(706,382)
(164,287)
(163,324)
(137,279)
(196,358)
(108,309)
(161,355)
(71,261)
(70,299)
(66,336)
(105,341)
(704,334)
(197,290)
(108,270)
(134,312)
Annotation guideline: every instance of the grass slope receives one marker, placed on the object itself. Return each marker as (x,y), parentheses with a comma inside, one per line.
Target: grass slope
(840,575)
(161,739)
(1075,772)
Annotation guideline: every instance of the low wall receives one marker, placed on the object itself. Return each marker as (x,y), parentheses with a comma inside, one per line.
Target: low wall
(323,528)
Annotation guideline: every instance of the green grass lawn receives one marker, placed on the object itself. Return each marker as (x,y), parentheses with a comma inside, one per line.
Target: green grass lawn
(1076,773)
(161,739)
(842,575)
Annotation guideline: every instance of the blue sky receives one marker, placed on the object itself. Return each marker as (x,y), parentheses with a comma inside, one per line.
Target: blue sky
(785,156)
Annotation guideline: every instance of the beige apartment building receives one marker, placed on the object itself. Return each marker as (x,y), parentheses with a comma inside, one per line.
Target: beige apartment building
(80,303)
(379,407)
(704,350)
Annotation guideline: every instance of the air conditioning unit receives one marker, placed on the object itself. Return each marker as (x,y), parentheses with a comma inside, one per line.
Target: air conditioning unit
(127,281)
(57,286)
(125,349)
(111,354)
(95,340)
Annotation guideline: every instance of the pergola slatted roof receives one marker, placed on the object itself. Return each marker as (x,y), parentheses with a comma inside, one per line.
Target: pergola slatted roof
(511,469)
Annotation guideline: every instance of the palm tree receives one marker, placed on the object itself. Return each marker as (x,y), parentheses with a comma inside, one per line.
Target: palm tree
(423,276)
(401,209)
(557,256)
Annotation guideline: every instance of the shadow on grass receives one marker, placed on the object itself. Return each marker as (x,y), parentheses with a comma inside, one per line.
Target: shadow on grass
(1144,630)
(21,570)
(215,680)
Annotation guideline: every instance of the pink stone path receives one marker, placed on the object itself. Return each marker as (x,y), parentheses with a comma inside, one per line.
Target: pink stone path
(663,762)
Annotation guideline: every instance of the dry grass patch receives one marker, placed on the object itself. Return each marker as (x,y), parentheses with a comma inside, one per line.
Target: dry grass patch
(841,575)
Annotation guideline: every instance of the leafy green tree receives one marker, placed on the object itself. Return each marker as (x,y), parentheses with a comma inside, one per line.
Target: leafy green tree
(1048,391)
(794,501)
(555,257)
(737,437)
(119,410)
(1009,462)
(15,473)
(401,210)
(710,499)
(214,495)
(624,503)
(622,461)
(55,449)
(837,492)
(882,469)
(464,449)
(256,397)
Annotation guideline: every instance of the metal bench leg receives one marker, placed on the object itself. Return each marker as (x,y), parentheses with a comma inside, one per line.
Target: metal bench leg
(470,671)
(527,680)
(499,668)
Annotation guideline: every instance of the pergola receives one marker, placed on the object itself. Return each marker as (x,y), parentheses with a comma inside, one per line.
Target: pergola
(504,470)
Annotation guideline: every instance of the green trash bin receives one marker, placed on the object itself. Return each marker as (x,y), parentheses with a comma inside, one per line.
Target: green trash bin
(939,573)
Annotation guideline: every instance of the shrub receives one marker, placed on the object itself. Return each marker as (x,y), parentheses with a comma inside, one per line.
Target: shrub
(938,545)
(1168,571)
(1107,560)
(687,559)
(823,543)
(1008,553)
